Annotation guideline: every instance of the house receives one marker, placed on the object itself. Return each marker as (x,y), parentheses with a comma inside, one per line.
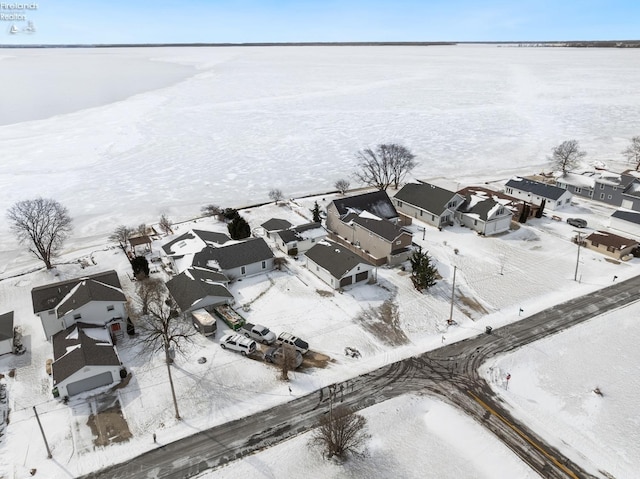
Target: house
(237,260)
(552,197)
(299,239)
(520,210)
(626,221)
(617,189)
(428,203)
(376,203)
(274,225)
(194,291)
(338,266)
(84,358)
(609,244)
(180,251)
(6,333)
(484,215)
(96,299)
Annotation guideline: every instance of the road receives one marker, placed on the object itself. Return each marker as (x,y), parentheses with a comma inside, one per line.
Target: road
(450,373)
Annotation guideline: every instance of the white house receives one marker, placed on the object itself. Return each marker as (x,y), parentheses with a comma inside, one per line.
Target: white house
(180,251)
(485,215)
(237,260)
(6,333)
(84,359)
(299,239)
(337,266)
(538,193)
(96,299)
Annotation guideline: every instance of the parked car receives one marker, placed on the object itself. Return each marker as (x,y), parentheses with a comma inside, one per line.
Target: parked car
(238,342)
(291,340)
(258,332)
(577,222)
(276,355)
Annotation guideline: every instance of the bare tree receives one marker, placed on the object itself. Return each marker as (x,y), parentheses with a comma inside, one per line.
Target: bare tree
(387,165)
(141,230)
(43,224)
(342,186)
(632,153)
(150,290)
(121,235)
(165,224)
(566,156)
(341,432)
(163,329)
(276,195)
(288,361)
(211,210)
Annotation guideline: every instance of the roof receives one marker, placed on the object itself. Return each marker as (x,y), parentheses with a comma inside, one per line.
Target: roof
(177,247)
(632,189)
(208,275)
(481,206)
(541,189)
(383,228)
(234,255)
(212,237)
(6,326)
(425,196)
(186,290)
(169,247)
(139,240)
(627,215)
(76,292)
(276,224)
(609,239)
(377,203)
(73,349)
(335,258)
(302,232)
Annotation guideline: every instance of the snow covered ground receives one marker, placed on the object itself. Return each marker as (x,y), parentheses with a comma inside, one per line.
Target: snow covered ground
(252,119)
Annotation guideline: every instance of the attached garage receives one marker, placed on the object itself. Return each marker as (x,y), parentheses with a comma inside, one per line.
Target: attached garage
(346,281)
(362,276)
(87,384)
(336,265)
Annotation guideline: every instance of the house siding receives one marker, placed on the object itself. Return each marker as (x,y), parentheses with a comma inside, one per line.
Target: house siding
(93,312)
(6,346)
(349,277)
(603,249)
(249,270)
(87,372)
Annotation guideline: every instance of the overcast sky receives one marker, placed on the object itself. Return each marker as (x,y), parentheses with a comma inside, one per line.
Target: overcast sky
(238,21)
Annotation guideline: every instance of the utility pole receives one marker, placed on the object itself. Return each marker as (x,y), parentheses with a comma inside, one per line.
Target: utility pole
(579,239)
(42,431)
(453,292)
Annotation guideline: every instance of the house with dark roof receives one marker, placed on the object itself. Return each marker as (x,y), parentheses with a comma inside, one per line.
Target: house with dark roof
(194,291)
(487,216)
(618,189)
(428,203)
(179,251)
(96,299)
(299,239)
(83,359)
(520,210)
(626,221)
(338,266)
(274,225)
(6,333)
(538,193)
(610,244)
(237,260)
(377,203)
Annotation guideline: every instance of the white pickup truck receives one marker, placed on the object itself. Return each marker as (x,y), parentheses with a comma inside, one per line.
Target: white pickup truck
(258,332)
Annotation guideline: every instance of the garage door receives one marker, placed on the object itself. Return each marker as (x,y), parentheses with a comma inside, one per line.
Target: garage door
(362,276)
(90,383)
(346,281)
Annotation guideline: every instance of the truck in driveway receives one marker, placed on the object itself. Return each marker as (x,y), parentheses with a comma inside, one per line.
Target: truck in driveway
(230,316)
(258,332)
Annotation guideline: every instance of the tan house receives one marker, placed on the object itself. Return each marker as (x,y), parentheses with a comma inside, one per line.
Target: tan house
(615,246)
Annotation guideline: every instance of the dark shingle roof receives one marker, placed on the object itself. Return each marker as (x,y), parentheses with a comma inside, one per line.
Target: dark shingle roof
(383,228)
(168,248)
(49,296)
(87,291)
(335,258)
(210,237)
(425,196)
(377,203)
(276,224)
(630,216)
(609,239)
(205,274)
(541,189)
(186,290)
(480,208)
(72,352)
(293,234)
(6,326)
(234,255)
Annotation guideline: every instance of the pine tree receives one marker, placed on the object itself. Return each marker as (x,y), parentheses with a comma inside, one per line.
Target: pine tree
(423,274)
(239,228)
(316,213)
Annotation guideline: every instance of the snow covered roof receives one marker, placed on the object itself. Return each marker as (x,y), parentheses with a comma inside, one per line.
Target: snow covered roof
(302,232)
(543,190)
(376,202)
(186,290)
(234,255)
(335,258)
(381,227)
(609,239)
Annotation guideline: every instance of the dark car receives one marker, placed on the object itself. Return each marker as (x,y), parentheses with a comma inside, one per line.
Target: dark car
(276,355)
(577,222)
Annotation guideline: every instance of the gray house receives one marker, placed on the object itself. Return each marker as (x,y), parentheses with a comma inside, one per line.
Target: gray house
(274,225)
(617,189)
(237,260)
(538,193)
(190,292)
(627,221)
(428,203)
(337,266)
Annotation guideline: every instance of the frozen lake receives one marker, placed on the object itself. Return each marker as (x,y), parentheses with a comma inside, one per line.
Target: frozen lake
(171,129)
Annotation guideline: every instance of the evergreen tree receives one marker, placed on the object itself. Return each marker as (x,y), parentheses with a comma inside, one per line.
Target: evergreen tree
(239,228)
(140,267)
(316,213)
(423,274)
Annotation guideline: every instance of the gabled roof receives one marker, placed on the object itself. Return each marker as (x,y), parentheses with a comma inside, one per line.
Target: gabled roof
(185,244)
(543,190)
(425,196)
(627,215)
(207,275)
(302,232)
(169,247)
(377,203)
(186,290)
(481,206)
(234,255)
(383,228)
(609,239)
(6,326)
(73,349)
(86,292)
(212,237)
(107,288)
(335,258)
(632,189)
(276,224)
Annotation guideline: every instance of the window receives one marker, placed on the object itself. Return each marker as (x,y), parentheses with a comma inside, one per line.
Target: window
(51,311)
(110,307)
(594,244)
(264,264)
(608,197)
(602,196)
(602,186)
(398,242)
(313,240)
(243,270)
(615,188)
(611,249)
(475,222)
(509,190)
(420,212)
(578,190)
(77,316)
(399,204)
(558,203)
